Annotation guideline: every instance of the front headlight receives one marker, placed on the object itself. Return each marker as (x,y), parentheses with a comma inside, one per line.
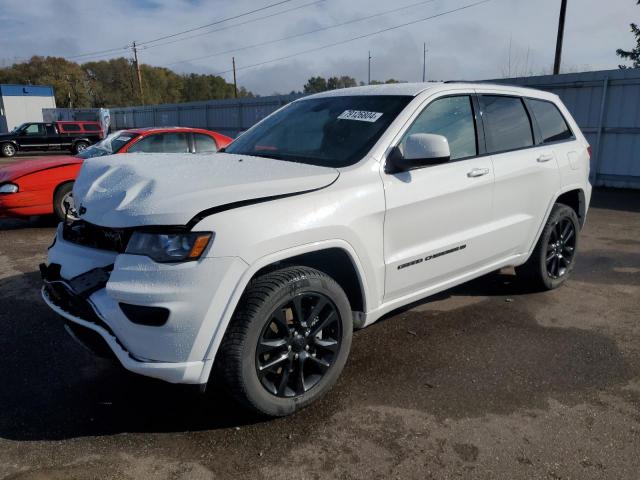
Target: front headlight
(169,247)
(8,188)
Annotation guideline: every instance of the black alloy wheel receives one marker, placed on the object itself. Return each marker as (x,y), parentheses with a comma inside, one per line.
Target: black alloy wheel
(298,344)
(561,248)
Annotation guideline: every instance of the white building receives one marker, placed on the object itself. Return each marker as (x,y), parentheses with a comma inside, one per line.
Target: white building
(23,103)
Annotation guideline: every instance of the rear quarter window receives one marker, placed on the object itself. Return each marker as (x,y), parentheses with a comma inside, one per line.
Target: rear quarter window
(91,127)
(553,126)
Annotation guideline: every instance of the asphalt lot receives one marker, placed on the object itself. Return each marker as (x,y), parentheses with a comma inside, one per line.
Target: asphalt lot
(486,380)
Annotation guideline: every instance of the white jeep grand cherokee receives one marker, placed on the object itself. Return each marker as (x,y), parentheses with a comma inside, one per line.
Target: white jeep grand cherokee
(252,267)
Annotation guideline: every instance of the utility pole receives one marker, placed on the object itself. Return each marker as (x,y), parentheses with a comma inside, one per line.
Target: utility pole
(135,60)
(424,61)
(235,83)
(563,13)
(369,70)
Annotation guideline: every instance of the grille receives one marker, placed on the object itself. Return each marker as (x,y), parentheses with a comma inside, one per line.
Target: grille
(103,238)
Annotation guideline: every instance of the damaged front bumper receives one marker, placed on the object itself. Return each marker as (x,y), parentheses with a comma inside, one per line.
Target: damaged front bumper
(157,319)
(87,327)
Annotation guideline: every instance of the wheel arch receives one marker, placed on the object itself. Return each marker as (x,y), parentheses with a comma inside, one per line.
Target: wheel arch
(307,255)
(575,198)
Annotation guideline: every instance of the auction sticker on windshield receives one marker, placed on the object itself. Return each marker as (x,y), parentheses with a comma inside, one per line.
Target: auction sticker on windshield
(360,115)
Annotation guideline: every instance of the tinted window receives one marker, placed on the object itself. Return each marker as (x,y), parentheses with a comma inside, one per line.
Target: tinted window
(451,117)
(162,143)
(204,143)
(34,129)
(551,122)
(332,131)
(90,127)
(71,127)
(507,124)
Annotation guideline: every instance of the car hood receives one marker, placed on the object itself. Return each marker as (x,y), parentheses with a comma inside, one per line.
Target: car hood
(24,167)
(132,190)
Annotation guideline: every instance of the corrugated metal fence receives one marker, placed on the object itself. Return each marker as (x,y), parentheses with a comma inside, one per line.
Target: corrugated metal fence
(229,117)
(606,105)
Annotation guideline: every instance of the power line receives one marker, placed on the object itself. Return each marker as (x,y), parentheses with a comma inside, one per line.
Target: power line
(298,35)
(170,42)
(113,50)
(271,5)
(356,38)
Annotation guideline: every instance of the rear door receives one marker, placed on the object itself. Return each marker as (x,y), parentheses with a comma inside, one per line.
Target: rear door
(437,221)
(526,172)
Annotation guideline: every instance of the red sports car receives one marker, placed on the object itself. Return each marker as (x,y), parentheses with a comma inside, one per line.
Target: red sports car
(43,186)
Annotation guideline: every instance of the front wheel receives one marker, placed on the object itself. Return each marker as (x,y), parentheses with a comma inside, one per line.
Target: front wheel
(8,150)
(553,258)
(63,205)
(80,147)
(287,342)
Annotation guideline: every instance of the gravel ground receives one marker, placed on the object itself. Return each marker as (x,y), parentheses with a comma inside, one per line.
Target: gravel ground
(486,380)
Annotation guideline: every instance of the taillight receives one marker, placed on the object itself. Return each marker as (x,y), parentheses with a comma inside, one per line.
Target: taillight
(589,150)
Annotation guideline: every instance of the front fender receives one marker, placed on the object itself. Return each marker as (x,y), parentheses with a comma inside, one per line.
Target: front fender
(282,255)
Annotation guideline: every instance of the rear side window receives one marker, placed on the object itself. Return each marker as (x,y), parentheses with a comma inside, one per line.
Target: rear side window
(451,117)
(507,124)
(162,143)
(204,143)
(552,124)
(70,127)
(91,127)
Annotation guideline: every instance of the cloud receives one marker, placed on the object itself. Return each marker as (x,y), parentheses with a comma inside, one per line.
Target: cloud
(470,44)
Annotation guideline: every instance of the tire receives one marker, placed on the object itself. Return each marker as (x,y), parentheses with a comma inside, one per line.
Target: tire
(553,258)
(249,344)
(8,150)
(62,195)
(80,146)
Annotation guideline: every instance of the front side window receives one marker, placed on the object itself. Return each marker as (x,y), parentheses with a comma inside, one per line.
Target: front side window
(162,143)
(34,129)
(507,124)
(334,131)
(451,117)
(552,124)
(204,143)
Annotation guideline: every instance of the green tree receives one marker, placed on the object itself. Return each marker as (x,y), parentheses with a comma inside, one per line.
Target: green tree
(315,85)
(632,55)
(341,82)
(114,83)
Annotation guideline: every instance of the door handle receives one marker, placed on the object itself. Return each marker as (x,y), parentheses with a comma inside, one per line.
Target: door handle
(545,157)
(477,172)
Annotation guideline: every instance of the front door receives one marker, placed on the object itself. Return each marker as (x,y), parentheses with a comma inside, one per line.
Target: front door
(33,137)
(437,222)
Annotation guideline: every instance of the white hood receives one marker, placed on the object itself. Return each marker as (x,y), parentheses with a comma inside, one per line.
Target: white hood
(138,189)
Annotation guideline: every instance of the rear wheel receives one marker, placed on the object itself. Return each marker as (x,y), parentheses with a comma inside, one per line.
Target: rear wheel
(8,150)
(63,205)
(80,146)
(553,258)
(287,342)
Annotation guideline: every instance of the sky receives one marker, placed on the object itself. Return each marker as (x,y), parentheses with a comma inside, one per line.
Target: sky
(495,39)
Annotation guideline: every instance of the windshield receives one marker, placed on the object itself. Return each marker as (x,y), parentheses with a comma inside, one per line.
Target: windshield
(331,131)
(109,145)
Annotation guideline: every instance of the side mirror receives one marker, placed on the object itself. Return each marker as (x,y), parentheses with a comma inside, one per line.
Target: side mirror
(419,150)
